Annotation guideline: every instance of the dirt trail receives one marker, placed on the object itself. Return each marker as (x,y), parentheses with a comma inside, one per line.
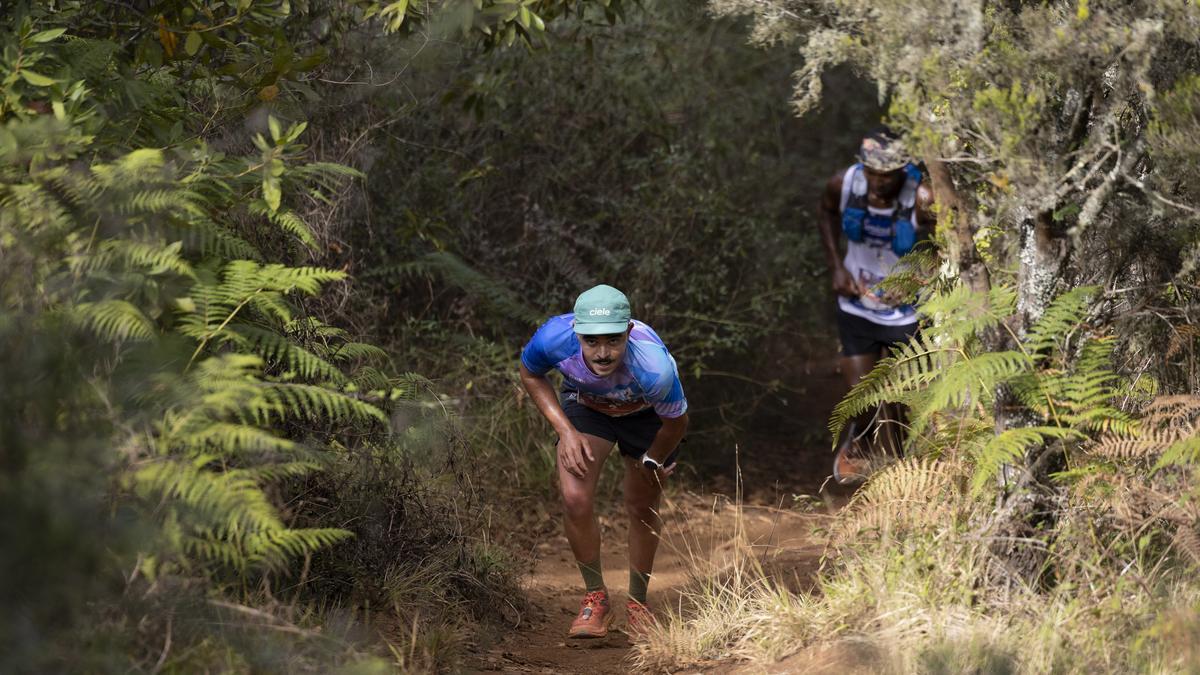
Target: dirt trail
(698,530)
(784,454)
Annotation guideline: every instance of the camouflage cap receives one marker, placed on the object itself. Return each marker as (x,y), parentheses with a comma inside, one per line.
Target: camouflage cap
(882,150)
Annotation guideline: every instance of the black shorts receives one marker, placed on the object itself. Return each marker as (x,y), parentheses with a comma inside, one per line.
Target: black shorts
(633,433)
(860,336)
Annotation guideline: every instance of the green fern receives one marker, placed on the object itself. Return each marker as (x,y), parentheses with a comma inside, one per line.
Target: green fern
(116,321)
(278,348)
(1009,446)
(1063,377)
(1059,320)
(908,370)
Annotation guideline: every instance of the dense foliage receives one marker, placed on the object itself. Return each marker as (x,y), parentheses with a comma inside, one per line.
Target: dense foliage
(230,229)
(1043,522)
(183,430)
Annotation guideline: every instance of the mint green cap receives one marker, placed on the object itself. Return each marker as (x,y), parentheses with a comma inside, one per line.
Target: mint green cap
(601,310)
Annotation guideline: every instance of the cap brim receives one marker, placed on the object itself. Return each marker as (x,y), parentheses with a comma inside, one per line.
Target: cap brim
(883,167)
(601,328)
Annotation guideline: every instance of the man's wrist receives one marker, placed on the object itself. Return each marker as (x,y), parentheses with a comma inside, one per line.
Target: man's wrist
(651,463)
(655,456)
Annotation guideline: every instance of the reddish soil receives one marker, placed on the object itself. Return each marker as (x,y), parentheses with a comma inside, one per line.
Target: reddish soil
(782,464)
(698,533)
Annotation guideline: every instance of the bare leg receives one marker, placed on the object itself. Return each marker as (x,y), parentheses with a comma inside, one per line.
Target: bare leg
(642,493)
(855,368)
(579,502)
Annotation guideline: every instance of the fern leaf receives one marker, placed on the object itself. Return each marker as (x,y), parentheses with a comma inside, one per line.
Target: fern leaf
(315,402)
(973,379)
(278,348)
(1010,445)
(1062,316)
(117,321)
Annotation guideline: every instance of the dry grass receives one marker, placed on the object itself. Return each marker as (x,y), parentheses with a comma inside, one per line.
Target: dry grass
(904,594)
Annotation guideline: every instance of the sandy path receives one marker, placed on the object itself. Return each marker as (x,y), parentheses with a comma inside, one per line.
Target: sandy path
(699,532)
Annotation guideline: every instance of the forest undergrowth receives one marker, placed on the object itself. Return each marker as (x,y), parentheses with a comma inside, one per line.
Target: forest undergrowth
(1042,517)
(266,266)
(922,571)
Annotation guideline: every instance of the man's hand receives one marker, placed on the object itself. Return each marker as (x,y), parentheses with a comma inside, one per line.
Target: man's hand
(574,454)
(665,471)
(844,283)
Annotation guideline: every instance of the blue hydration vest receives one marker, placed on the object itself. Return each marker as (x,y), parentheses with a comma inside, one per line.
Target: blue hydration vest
(860,224)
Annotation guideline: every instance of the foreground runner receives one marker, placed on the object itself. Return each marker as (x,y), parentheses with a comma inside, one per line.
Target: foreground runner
(620,385)
(883,208)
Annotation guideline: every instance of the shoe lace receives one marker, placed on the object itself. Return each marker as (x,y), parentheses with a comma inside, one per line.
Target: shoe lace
(592,599)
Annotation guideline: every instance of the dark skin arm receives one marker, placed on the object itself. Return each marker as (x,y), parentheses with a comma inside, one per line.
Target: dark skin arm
(830,226)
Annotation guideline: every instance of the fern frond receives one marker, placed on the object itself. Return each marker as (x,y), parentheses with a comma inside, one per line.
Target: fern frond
(906,495)
(973,379)
(1010,445)
(1187,541)
(117,321)
(226,503)
(278,348)
(1060,319)
(370,379)
(286,220)
(228,438)
(1184,452)
(273,549)
(912,366)
(1123,448)
(315,402)
(961,313)
(274,472)
(1181,336)
(152,258)
(358,351)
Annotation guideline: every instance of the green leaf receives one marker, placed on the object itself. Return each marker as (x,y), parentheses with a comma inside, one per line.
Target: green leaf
(294,132)
(192,44)
(276,129)
(36,79)
(394,15)
(47,35)
(271,192)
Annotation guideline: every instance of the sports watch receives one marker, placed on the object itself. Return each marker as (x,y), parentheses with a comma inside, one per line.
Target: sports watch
(651,463)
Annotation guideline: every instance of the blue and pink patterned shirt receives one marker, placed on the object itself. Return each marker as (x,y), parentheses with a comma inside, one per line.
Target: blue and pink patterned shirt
(647,377)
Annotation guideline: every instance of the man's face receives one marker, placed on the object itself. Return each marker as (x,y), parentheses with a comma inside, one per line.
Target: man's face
(883,185)
(603,353)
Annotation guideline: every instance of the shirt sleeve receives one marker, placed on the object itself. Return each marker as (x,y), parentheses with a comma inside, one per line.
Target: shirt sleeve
(537,355)
(666,394)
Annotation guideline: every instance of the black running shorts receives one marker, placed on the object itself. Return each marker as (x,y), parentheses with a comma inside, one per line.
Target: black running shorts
(860,336)
(633,433)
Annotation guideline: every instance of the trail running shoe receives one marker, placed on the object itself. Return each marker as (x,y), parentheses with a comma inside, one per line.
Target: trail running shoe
(594,618)
(638,619)
(850,466)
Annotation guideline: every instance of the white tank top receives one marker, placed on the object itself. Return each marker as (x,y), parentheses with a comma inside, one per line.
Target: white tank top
(869,261)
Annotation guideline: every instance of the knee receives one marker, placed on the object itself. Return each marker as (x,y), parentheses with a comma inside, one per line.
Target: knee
(577,502)
(641,508)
